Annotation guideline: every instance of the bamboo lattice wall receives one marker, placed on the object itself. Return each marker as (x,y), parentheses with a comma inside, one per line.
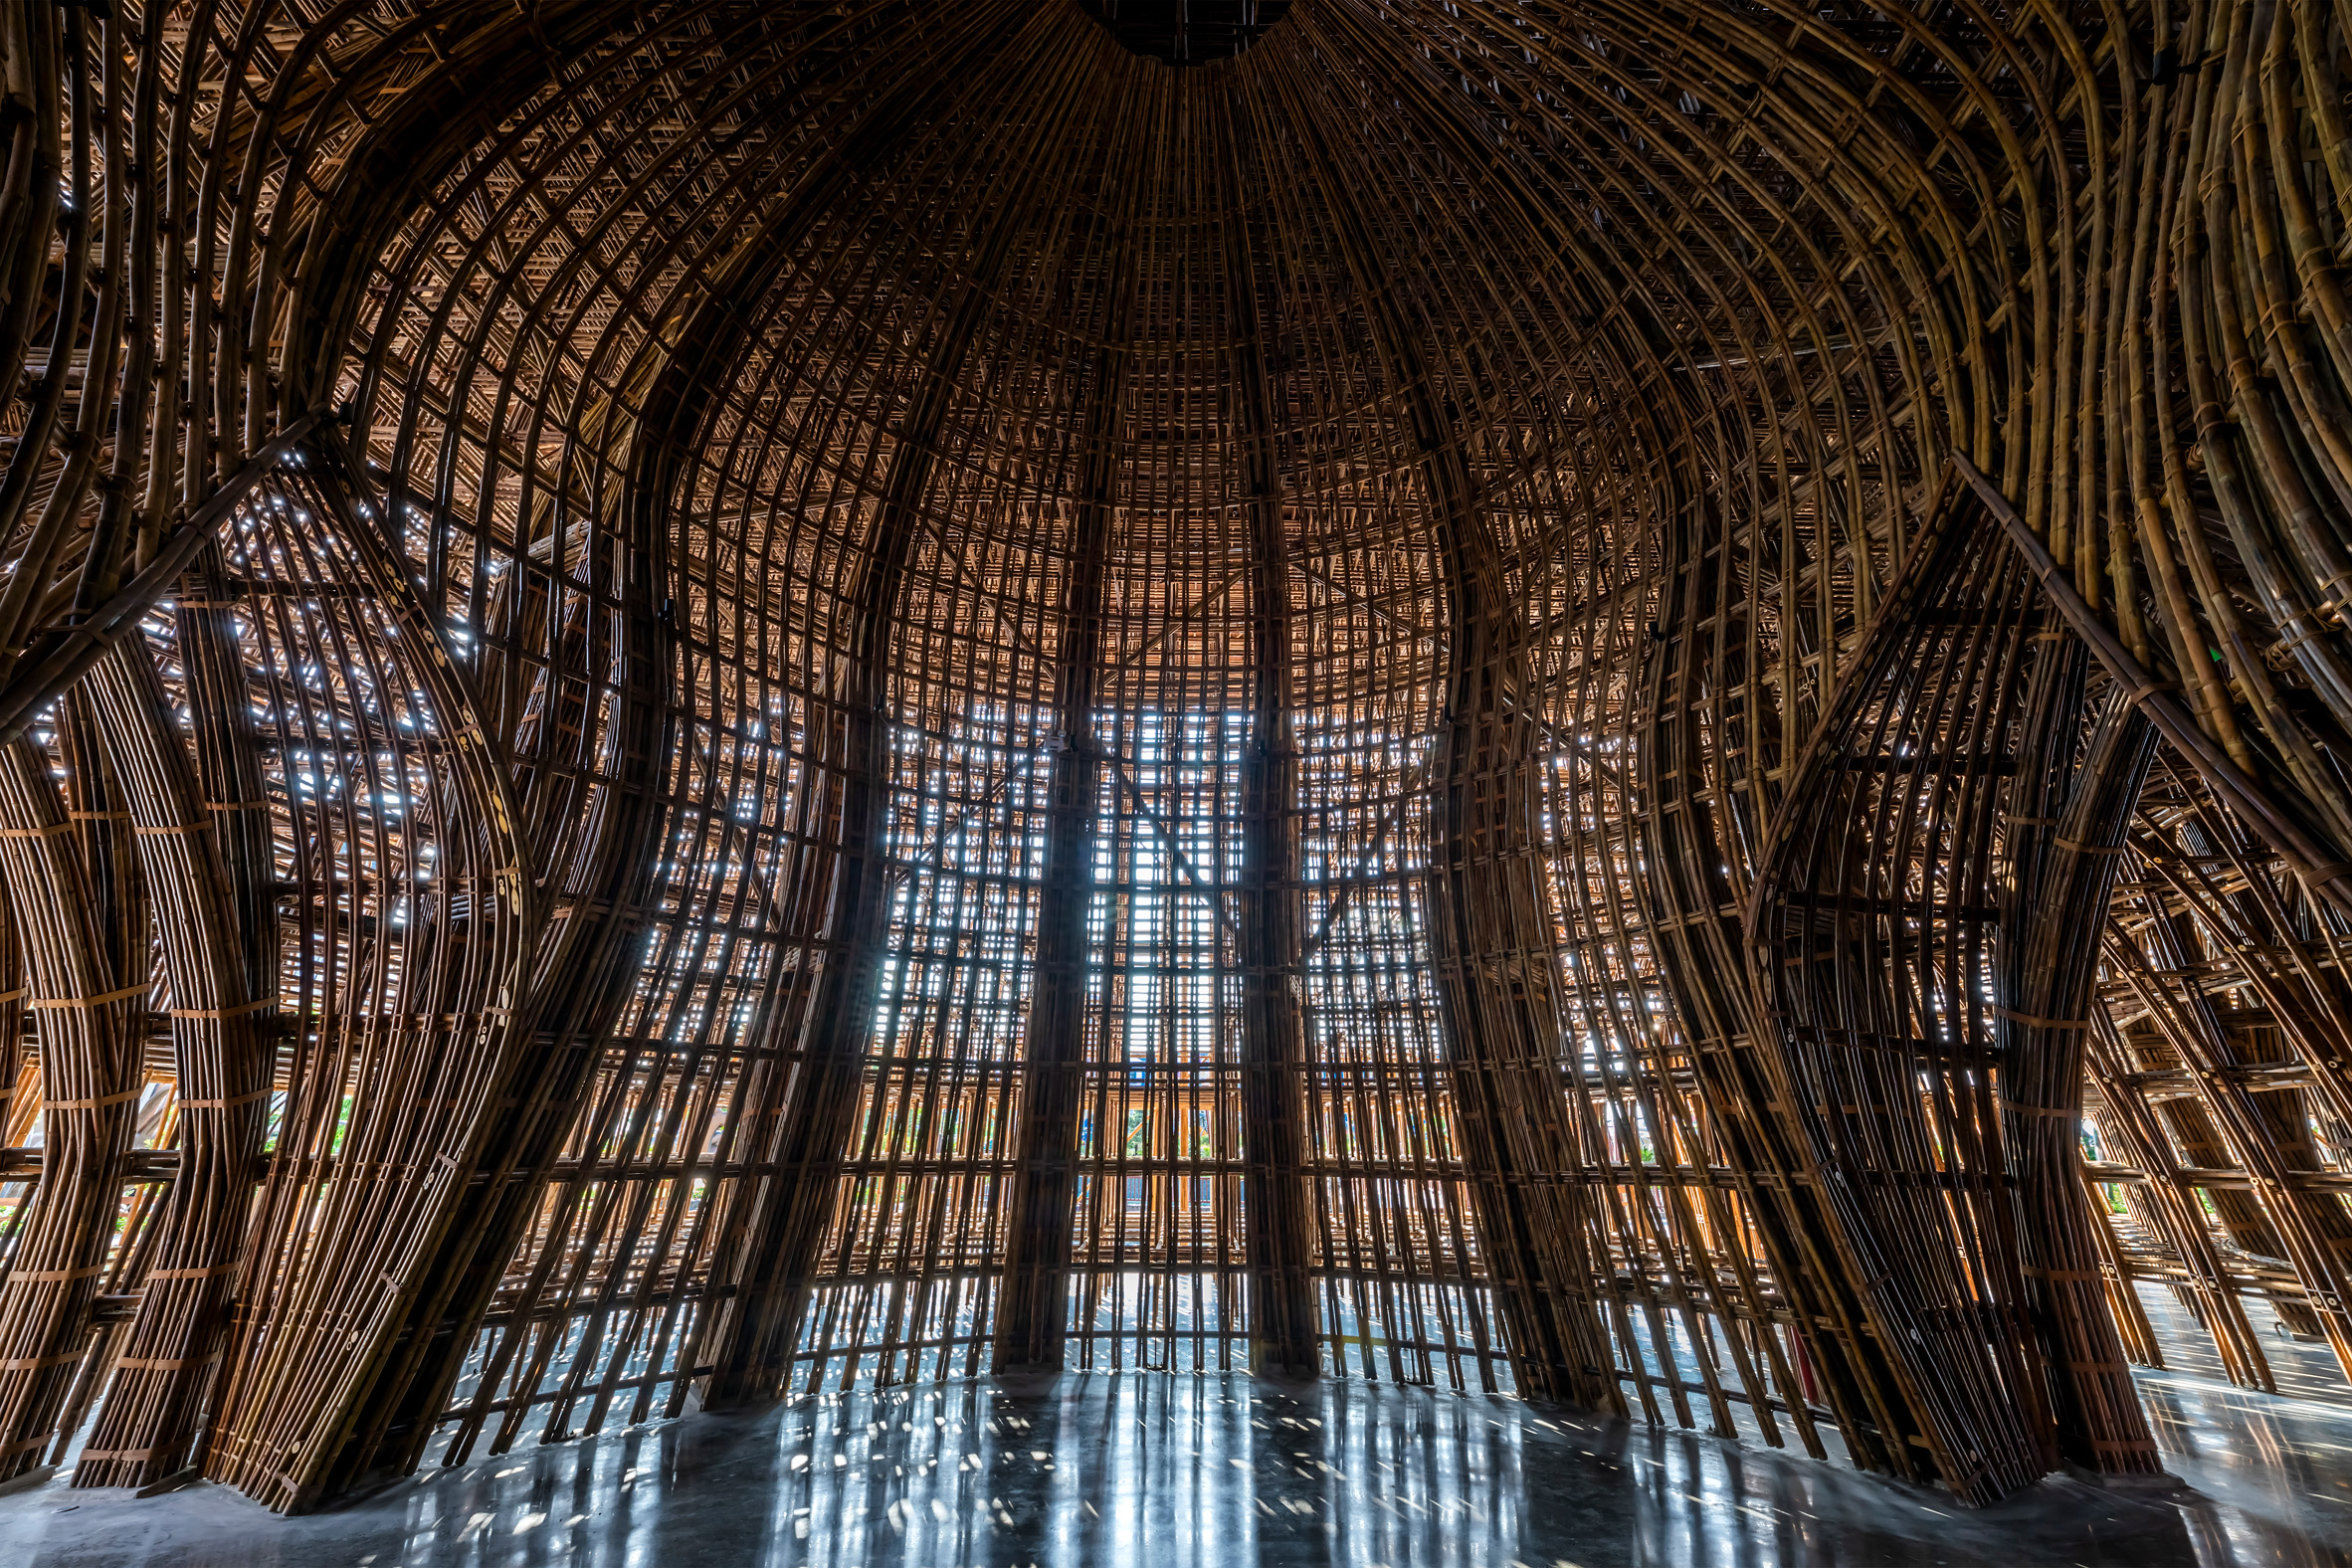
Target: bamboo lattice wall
(1645,705)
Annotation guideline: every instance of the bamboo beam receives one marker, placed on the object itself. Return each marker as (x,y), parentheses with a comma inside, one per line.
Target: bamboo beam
(2326,871)
(72,652)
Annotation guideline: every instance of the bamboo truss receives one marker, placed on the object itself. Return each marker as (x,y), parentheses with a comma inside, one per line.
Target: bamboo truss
(1641,703)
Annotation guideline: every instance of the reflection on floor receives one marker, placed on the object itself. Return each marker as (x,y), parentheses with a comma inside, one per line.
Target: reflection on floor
(2302,1368)
(1151,1468)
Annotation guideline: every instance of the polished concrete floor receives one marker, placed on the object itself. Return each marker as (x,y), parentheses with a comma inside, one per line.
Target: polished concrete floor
(1181,1470)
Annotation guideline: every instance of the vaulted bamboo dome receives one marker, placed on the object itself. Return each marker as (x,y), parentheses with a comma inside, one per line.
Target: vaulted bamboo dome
(1639,705)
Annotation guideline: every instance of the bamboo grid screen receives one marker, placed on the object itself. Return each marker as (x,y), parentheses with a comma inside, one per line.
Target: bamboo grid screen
(1644,704)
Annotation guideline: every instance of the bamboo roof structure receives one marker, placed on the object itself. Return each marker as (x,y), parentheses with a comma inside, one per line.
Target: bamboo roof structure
(1648,705)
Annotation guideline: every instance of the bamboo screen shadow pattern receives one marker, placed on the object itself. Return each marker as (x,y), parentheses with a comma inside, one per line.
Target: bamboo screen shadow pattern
(706,698)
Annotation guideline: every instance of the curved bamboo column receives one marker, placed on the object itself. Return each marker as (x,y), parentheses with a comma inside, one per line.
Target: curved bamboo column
(1282,1305)
(411,887)
(2066,834)
(1870,920)
(1033,1303)
(169,1361)
(89,1087)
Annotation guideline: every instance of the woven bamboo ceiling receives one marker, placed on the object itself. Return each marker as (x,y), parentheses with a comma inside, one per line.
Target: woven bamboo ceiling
(1641,703)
